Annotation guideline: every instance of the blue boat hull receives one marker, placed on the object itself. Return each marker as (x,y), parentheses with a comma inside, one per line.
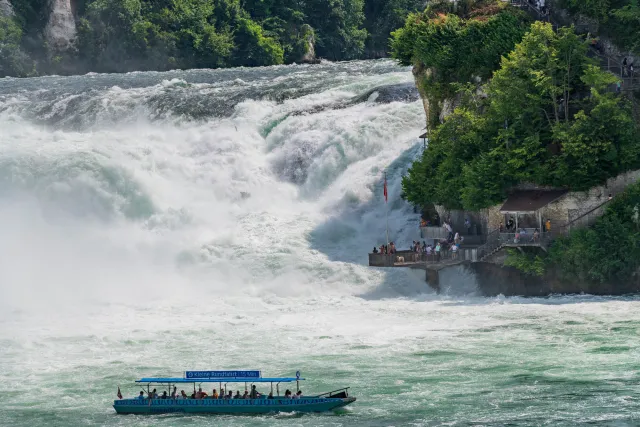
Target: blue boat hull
(232,406)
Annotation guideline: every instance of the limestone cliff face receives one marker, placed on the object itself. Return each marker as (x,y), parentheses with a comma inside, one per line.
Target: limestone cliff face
(5,8)
(60,31)
(436,109)
(420,74)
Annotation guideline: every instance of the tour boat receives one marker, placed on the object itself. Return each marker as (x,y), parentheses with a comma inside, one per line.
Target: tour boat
(197,403)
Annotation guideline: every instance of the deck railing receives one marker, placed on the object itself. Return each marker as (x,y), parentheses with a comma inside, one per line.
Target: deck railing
(404,258)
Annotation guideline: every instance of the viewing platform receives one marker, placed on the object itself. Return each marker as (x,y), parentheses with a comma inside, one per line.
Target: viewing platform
(423,261)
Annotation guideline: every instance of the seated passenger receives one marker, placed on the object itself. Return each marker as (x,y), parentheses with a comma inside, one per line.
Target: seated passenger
(287,394)
(237,396)
(164,395)
(222,395)
(245,395)
(270,395)
(183,395)
(254,393)
(298,395)
(174,393)
(141,395)
(214,395)
(153,394)
(230,395)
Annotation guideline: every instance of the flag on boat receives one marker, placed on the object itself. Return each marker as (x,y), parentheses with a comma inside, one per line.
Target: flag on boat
(119,394)
(386,196)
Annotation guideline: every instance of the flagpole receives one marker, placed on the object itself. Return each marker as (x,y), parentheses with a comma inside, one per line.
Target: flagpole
(386,211)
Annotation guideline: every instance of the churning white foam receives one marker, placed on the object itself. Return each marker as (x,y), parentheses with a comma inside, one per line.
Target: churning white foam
(261,202)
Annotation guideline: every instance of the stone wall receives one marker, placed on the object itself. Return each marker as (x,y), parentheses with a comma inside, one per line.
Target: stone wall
(569,207)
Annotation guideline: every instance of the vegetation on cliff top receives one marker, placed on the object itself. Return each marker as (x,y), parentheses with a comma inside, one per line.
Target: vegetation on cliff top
(451,50)
(619,20)
(545,117)
(128,35)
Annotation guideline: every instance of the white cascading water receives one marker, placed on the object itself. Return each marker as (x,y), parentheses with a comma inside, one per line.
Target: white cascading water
(158,222)
(60,31)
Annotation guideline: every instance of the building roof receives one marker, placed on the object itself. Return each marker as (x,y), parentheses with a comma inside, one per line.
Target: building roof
(217,380)
(530,200)
(423,136)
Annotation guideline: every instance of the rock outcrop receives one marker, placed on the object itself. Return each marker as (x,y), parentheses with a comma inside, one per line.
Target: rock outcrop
(60,31)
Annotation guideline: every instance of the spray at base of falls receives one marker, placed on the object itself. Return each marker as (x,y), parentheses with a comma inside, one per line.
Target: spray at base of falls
(60,31)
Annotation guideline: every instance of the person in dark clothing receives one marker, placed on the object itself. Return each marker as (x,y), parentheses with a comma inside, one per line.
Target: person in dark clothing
(375,250)
(254,393)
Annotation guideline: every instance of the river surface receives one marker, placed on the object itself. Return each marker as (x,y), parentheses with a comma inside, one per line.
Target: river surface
(153,223)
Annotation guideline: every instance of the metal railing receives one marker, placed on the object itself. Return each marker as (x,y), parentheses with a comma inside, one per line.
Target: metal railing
(493,243)
(586,219)
(408,258)
(525,239)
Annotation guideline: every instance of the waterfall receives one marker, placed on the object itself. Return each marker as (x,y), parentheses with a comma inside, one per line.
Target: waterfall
(61,28)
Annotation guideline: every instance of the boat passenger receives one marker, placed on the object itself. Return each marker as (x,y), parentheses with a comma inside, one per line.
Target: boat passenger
(238,395)
(270,395)
(245,395)
(254,393)
(183,395)
(214,395)
(141,395)
(287,394)
(298,395)
(153,394)
(164,395)
(230,395)
(174,393)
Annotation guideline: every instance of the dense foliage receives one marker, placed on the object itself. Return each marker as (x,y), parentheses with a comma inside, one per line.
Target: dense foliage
(619,20)
(545,117)
(456,48)
(608,252)
(126,35)
(529,263)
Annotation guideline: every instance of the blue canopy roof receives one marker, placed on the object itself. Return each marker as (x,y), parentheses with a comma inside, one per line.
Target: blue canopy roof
(219,380)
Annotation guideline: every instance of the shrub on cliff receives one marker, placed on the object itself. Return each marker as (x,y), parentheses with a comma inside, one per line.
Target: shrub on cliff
(617,19)
(608,252)
(13,61)
(456,50)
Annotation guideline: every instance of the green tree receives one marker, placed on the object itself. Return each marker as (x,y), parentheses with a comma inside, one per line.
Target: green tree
(253,48)
(13,61)
(338,27)
(609,251)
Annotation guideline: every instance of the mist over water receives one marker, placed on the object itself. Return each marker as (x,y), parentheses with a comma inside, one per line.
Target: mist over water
(158,222)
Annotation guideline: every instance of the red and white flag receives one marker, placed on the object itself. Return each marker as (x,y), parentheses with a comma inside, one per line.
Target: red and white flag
(386,195)
(119,394)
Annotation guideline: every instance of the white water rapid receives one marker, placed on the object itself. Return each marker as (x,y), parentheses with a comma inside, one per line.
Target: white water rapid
(60,31)
(153,223)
